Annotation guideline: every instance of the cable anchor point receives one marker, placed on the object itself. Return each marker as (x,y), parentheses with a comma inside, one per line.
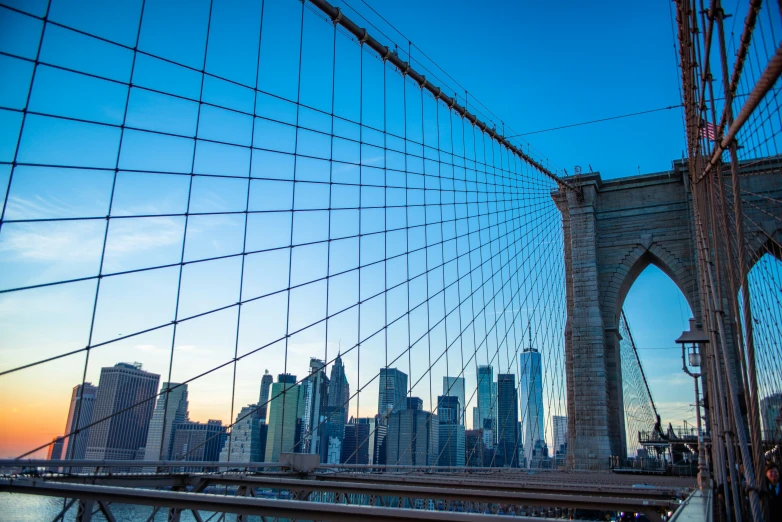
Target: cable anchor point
(338,18)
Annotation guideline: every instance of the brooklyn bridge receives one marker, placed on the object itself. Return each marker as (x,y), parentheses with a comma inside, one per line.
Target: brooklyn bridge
(267,260)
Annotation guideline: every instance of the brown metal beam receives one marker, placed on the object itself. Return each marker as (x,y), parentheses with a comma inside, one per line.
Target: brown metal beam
(471,482)
(245,505)
(492,496)
(200,481)
(764,84)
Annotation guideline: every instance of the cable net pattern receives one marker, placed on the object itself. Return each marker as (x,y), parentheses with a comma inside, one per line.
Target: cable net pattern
(256,190)
(760,193)
(730,89)
(639,411)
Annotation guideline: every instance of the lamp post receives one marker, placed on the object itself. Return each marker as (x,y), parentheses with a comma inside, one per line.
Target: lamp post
(690,339)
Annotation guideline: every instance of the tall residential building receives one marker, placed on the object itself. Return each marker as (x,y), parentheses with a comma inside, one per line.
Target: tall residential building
(507,419)
(263,398)
(454,386)
(392,387)
(82,407)
(125,428)
(560,431)
(413,438)
(531,383)
(486,403)
(339,388)
(451,432)
(355,449)
(770,413)
(244,441)
(285,412)
(170,410)
(315,395)
(198,441)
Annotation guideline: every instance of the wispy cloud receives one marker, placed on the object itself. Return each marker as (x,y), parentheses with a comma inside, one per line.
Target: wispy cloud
(72,241)
(82,241)
(147,348)
(672,380)
(187,348)
(39,206)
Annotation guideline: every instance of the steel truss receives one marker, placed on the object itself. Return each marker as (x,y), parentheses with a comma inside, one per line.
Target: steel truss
(342,496)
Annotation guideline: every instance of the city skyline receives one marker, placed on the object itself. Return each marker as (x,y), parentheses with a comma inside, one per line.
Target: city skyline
(171,413)
(531,388)
(143,235)
(314,437)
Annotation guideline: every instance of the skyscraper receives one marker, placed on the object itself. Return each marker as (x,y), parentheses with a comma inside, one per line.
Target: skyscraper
(770,409)
(332,434)
(55,452)
(494,406)
(171,409)
(315,396)
(339,388)
(531,383)
(392,391)
(285,411)
(486,404)
(474,448)
(198,441)
(263,433)
(413,438)
(448,409)
(414,403)
(126,426)
(560,431)
(263,398)
(379,441)
(355,450)
(507,419)
(244,442)
(82,407)
(372,423)
(451,432)
(560,451)
(454,387)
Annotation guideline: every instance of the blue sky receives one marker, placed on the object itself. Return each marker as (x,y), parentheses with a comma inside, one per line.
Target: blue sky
(538,66)
(542,65)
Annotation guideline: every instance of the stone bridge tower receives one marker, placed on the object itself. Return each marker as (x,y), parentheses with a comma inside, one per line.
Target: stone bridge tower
(612,232)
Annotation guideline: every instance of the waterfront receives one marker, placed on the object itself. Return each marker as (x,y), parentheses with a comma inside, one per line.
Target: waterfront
(33,508)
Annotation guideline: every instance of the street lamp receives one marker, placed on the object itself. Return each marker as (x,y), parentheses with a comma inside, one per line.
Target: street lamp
(690,339)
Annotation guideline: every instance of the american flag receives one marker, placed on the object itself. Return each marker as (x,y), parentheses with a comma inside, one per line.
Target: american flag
(708,131)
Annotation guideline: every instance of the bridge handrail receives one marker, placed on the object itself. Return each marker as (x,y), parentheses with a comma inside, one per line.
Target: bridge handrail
(696,508)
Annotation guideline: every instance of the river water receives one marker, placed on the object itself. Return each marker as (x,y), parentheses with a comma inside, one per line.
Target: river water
(33,508)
